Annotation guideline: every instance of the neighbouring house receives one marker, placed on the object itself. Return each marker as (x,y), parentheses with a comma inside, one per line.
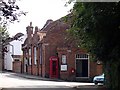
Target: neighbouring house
(49,52)
(8,57)
(13,52)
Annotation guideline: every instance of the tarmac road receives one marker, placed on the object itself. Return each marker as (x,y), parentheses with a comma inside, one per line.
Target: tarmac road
(9,80)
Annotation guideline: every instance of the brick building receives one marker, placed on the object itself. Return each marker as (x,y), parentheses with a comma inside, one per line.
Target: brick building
(50,52)
(17,63)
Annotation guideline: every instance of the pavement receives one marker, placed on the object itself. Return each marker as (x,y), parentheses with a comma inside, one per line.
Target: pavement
(34,77)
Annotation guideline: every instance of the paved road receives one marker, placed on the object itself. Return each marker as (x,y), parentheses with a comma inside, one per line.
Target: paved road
(8,80)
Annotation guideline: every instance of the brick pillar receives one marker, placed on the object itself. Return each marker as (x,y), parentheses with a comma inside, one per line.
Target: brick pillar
(32,60)
(22,61)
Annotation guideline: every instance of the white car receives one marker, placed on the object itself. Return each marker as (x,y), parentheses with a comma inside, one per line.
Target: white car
(98,79)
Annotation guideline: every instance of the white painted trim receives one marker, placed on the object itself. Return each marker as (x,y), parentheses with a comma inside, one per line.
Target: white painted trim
(82,58)
(88,65)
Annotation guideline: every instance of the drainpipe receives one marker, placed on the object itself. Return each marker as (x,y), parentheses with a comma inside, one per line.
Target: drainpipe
(41,57)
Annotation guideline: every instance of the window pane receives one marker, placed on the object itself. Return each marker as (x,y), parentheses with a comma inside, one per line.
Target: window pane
(29,56)
(82,56)
(64,59)
(35,55)
(29,60)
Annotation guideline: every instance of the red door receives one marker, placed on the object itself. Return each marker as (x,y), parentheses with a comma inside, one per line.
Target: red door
(53,67)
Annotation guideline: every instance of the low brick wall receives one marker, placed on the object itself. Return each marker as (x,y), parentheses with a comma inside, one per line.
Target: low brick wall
(17,66)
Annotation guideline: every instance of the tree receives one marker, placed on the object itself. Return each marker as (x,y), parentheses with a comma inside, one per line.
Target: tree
(4,32)
(3,35)
(9,11)
(96,26)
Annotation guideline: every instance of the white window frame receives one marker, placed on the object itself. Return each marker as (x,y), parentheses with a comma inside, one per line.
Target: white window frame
(82,56)
(64,59)
(29,56)
(35,55)
(78,57)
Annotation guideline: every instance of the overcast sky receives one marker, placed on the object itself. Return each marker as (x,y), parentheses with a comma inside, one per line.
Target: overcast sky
(39,11)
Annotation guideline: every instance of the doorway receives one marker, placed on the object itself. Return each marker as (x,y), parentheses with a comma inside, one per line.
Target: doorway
(82,66)
(53,67)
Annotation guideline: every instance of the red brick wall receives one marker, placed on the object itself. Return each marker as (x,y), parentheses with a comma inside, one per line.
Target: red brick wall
(35,70)
(99,69)
(17,66)
(29,69)
(94,69)
(67,75)
(43,70)
(40,71)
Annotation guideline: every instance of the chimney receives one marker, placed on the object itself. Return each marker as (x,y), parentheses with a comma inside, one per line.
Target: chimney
(36,30)
(29,30)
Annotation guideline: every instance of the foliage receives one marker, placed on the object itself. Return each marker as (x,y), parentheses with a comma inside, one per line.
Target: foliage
(4,33)
(9,11)
(97,28)
(96,25)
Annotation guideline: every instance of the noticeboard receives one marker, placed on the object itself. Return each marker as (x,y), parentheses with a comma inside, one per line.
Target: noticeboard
(63,67)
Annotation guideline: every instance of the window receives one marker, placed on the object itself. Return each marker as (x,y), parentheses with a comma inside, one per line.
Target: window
(35,56)
(81,56)
(30,61)
(64,59)
(24,60)
(29,56)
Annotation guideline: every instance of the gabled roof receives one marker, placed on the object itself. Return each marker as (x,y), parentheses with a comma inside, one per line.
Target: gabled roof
(48,24)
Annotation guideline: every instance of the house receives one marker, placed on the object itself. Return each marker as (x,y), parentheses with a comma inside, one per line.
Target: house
(50,52)
(13,49)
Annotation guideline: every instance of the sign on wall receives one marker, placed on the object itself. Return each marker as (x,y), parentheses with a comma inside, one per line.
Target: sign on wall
(63,67)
